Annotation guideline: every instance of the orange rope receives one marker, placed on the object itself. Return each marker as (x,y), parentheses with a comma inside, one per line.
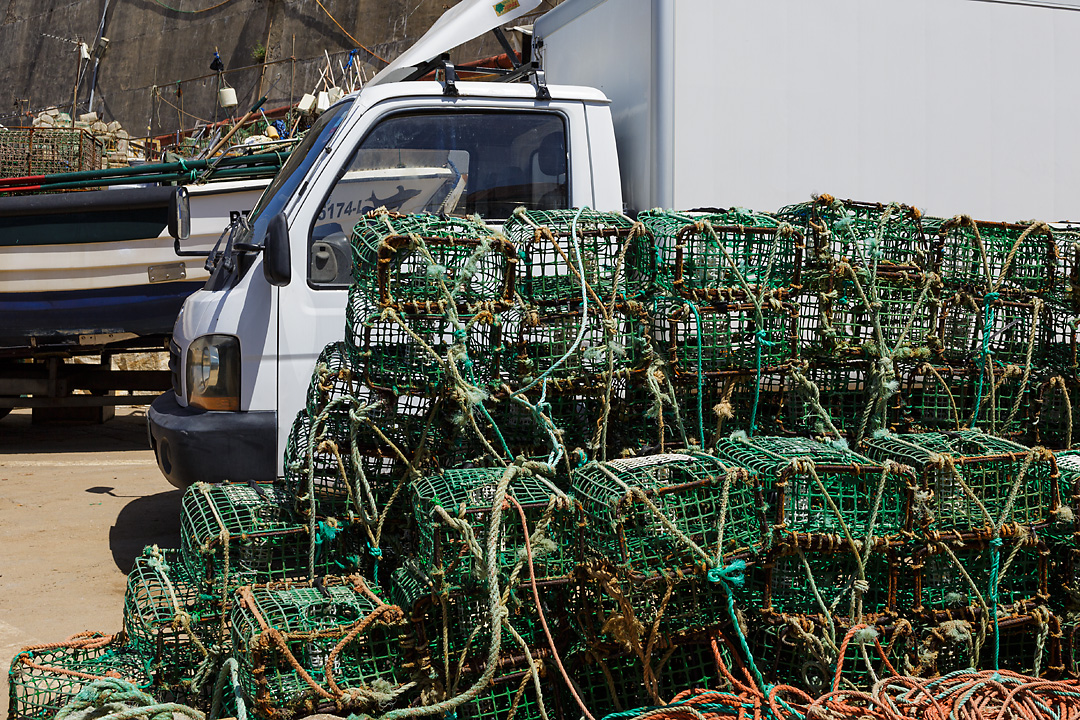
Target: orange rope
(355,41)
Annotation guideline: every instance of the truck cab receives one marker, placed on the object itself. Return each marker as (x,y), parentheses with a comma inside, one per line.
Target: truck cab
(245,345)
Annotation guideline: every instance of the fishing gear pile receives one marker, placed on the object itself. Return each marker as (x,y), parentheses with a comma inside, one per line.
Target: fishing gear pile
(716,463)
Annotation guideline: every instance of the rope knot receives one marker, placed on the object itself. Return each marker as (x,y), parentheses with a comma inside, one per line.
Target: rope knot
(733,574)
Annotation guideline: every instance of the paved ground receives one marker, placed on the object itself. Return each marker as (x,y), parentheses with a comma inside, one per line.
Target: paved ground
(77,505)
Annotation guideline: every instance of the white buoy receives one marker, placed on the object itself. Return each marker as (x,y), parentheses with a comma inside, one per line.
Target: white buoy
(306,104)
(324,101)
(227,97)
(336,94)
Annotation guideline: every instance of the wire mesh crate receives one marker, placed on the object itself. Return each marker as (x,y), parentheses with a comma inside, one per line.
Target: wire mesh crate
(46,151)
(234,534)
(615,254)
(42,679)
(303,645)
(707,251)
(418,262)
(891,236)
(686,494)
(840,323)
(984,329)
(169,621)
(567,344)
(989,466)
(457,550)
(998,257)
(817,576)
(786,468)
(710,339)
(795,651)
(753,402)
(939,578)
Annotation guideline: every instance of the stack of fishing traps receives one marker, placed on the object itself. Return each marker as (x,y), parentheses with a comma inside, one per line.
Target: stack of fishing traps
(596,461)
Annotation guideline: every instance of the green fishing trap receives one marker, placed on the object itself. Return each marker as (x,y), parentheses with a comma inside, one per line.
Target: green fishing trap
(562,250)
(234,534)
(847,314)
(737,336)
(997,257)
(303,646)
(335,383)
(803,652)
(735,400)
(944,398)
(172,622)
(423,261)
(453,515)
(512,693)
(426,353)
(645,514)
(43,679)
(988,329)
(1054,421)
(1028,644)
(704,252)
(837,399)
(819,577)
(959,471)
(573,343)
(817,488)
(619,608)
(889,239)
(956,573)
(347,473)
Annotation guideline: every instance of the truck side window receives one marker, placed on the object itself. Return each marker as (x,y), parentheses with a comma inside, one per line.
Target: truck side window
(455,163)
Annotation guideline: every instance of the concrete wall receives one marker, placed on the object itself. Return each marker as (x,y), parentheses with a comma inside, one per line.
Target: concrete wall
(151,48)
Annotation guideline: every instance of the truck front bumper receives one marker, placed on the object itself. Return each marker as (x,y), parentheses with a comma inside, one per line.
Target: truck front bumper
(210,446)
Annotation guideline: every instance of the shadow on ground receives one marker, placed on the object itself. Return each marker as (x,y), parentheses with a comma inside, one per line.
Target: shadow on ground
(18,434)
(149,520)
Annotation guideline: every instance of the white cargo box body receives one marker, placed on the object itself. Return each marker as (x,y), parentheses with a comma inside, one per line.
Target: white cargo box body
(954,106)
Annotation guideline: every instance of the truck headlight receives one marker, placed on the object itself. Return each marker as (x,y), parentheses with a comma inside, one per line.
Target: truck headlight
(213,372)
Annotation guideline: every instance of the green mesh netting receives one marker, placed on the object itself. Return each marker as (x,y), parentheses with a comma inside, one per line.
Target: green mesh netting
(701,251)
(987,465)
(43,680)
(893,236)
(454,550)
(409,261)
(687,495)
(615,254)
(799,504)
(234,534)
(167,617)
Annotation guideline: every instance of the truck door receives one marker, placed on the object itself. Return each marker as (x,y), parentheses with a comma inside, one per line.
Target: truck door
(448,159)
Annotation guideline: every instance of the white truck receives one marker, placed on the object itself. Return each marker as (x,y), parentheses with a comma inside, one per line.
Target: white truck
(955,106)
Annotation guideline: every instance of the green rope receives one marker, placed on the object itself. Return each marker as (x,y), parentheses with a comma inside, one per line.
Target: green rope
(984,355)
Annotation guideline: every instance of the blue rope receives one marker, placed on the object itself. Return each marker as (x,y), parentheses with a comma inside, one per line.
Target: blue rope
(988,321)
(995,560)
(759,340)
(700,380)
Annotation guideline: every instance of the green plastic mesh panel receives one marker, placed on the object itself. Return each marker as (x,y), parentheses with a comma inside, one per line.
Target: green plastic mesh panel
(844,393)
(729,338)
(468,493)
(596,239)
(837,323)
(391,267)
(861,232)
(166,617)
(692,258)
(312,621)
(851,480)
(542,339)
(1033,267)
(1052,414)
(513,694)
(39,683)
(608,682)
(686,489)
(942,398)
(1013,327)
(989,466)
(336,480)
(784,654)
(781,583)
(727,403)
(610,601)
(44,151)
(936,583)
(265,540)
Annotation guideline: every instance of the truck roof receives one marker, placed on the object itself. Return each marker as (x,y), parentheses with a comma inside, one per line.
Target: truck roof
(373,94)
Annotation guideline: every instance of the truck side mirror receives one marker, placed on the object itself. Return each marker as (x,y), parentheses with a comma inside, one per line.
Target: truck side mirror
(180,214)
(277,260)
